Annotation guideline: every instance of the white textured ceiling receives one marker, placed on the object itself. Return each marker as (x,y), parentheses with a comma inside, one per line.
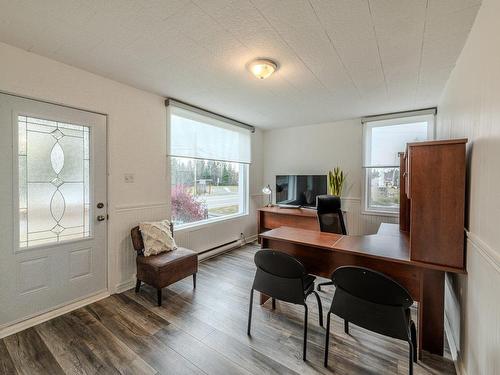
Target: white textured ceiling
(338,58)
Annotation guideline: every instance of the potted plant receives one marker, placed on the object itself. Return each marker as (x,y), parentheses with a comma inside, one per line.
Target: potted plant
(336,179)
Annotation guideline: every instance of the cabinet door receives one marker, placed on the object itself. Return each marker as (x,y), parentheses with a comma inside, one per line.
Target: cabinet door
(404,202)
(407,173)
(437,191)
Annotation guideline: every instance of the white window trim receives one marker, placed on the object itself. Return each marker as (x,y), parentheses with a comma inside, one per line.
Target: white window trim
(365,210)
(208,222)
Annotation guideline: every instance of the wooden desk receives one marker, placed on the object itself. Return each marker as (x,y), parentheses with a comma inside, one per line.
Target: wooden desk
(388,252)
(275,217)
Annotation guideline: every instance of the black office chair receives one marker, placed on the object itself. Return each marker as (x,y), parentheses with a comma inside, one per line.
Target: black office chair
(283,277)
(330,218)
(375,302)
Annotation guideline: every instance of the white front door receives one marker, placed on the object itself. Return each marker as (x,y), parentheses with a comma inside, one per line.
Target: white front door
(52,207)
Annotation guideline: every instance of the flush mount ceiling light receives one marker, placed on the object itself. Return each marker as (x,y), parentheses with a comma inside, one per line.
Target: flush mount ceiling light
(262,68)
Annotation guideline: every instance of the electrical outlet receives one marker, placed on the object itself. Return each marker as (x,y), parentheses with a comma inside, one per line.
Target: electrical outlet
(128,178)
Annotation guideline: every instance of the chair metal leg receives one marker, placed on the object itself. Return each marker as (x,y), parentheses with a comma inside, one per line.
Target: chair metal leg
(410,358)
(346,327)
(137,285)
(250,312)
(194,280)
(413,332)
(305,332)
(158,293)
(320,308)
(274,303)
(327,338)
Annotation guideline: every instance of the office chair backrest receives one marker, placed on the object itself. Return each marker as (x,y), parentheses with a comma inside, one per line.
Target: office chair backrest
(330,214)
(371,300)
(279,264)
(372,286)
(279,275)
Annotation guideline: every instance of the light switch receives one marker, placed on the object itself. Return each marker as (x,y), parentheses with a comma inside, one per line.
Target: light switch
(128,178)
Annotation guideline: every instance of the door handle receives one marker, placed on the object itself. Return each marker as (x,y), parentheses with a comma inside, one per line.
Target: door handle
(101,218)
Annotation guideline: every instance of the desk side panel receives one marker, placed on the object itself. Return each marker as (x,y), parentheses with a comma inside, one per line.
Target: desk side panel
(271,220)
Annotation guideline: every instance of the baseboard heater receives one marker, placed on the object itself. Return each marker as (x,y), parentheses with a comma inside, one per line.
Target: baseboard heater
(214,251)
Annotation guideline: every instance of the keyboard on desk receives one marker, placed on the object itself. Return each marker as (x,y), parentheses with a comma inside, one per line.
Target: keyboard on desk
(288,205)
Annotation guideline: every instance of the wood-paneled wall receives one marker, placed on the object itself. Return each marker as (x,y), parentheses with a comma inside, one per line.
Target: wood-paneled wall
(121,221)
(199,238)
(359,223)
(469,107)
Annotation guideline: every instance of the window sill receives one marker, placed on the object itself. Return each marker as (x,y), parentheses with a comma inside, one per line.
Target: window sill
(207,223)
(380,213)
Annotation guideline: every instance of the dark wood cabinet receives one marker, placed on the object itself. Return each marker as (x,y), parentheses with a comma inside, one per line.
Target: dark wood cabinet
(404,202)
(432,201)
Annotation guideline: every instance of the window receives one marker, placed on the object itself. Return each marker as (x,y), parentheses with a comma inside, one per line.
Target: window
(383,139)
(209,161)
(53,181)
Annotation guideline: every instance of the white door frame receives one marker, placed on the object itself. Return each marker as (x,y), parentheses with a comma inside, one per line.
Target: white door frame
(110,269)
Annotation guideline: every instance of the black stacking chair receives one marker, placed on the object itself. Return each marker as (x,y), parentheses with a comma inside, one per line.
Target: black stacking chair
(283,277)
(375,302)
(330,218)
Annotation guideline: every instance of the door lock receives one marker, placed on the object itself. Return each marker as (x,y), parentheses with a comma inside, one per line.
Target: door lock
(100,205)
(101,218)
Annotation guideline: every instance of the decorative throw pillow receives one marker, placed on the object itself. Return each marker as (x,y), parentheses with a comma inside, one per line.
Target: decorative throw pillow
(157,237)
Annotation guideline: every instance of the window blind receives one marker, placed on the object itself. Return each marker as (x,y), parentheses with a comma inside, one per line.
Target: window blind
(384,139)
(198,136)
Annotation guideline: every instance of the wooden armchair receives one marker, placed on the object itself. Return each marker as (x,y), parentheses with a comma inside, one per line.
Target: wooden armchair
(163,269)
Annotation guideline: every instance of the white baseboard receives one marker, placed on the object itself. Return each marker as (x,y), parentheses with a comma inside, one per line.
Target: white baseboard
(459,366)
(126,285)
(252,238)
(33,321)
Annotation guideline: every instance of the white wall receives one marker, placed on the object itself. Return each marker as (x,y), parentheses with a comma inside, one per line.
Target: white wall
(137,144)
(470,107)
(316,149)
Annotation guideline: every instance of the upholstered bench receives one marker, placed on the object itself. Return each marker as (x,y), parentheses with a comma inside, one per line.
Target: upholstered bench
(163,269)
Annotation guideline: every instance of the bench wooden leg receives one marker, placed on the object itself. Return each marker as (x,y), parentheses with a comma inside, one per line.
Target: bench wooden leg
(137,285)
(194,280)
(158,292)
(263,298)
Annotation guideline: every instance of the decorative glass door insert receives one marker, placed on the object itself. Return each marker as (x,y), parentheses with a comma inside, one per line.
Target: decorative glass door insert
(54,170)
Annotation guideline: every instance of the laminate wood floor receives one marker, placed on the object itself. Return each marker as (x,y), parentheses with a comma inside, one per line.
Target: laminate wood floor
(202,331)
